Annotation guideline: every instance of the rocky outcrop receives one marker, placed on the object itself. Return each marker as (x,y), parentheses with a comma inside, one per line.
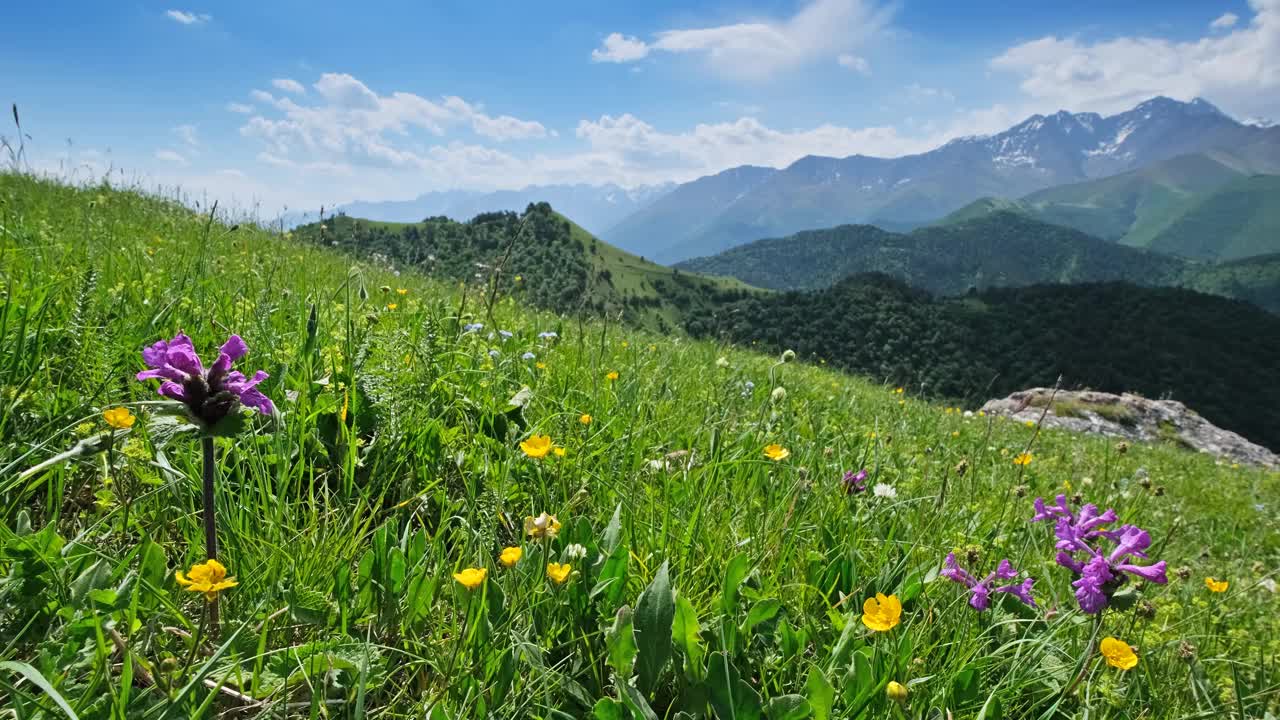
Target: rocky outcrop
(1132,417)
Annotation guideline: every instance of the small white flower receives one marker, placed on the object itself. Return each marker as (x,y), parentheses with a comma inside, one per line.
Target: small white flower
(723,362)
(494,354)
(575,552)
(884,490)
(968,413)
(1269,584)
(788,355)
(528,356)
(779,394)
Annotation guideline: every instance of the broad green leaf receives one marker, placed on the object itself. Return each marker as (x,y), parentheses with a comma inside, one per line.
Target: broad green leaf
(612,532)
(655,613)
(737,571)
(396,571)
(152,564)
(95,577)
(621,642)
(635,701)
(822,696)
(788,707)
(685,633)
(607,709)
(731,698)
(991,709)
(761,612)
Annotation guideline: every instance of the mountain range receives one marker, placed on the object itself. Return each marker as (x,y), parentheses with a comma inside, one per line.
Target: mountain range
(594,207)
(746,203)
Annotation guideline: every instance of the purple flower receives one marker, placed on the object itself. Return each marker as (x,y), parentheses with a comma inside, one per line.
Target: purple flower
(210,395)
(1098,574)
(980,598)
(855,482)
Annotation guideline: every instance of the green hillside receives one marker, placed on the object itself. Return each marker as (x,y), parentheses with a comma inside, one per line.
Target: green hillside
(1210,206)
(996,248)
(1209,352)
(538,256)
(373,527)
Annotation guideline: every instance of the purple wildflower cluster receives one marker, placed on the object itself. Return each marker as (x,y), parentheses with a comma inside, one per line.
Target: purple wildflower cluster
(210,395)
(855,482)
(981,590)
(1098,573)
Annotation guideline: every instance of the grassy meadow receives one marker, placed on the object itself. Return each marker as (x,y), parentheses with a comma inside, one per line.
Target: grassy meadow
(710,575)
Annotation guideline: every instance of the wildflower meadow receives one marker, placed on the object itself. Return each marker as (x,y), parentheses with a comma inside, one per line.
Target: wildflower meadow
(245,477)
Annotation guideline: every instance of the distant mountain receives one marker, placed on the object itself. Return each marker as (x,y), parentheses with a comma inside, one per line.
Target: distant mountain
(595,207)
(1206,206)
(1000,248)
(685,211)
(1040,152)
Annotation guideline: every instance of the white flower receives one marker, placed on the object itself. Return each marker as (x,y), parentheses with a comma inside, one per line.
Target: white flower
(1269,584)
(779,394)
(575,552)
(788,355)
(723,362)
(968,413)
(884,490)
(528,356)
(494,354)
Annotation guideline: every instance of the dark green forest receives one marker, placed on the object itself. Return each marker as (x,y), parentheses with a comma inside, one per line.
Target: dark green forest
(1216,355)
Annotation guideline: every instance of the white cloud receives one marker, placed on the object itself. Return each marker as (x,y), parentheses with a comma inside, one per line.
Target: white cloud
(619,48)
(240,108)
(188,135)
(1224,21)
(762,48)
(289,85)
(169,156)
(855,63)
(262,96)
(1238,70)
(188,18)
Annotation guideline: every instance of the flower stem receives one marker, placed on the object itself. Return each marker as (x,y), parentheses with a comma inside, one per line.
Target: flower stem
(210,527)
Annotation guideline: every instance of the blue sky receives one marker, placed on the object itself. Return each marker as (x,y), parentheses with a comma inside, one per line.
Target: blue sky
(293,104)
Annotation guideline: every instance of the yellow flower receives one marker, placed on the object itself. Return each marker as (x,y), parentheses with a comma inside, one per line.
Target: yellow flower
(613,375)
(1031,423)
(896,691)
(955,433)
(471,578)
(540,365)
(1216,585)
(776,452)
(625,343)
(519,278)
(1022,459)
(882,613)
(536,446)
(392,306)
(208,577)
(543,526)
(898,391)
(119,418)
(402,291)
(585,419)
(1118,653)
(558,572)
(510,556)
(559,451)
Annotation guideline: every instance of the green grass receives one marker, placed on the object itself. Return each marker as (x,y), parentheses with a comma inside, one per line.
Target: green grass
(343,528)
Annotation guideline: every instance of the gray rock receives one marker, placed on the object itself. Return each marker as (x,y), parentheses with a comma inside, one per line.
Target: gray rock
(1131,417)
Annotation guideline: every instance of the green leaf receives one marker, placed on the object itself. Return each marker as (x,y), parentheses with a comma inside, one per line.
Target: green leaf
(95,577)
(685,634)
(844,646)
(621,643)
(992,709)
(731,698)
(152,564)
(635,701)
(396,571)
(655,613)
(822,696)
(737,571)
(35,678)
(607,709)
(761,612)
(612,532)
(788,707)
